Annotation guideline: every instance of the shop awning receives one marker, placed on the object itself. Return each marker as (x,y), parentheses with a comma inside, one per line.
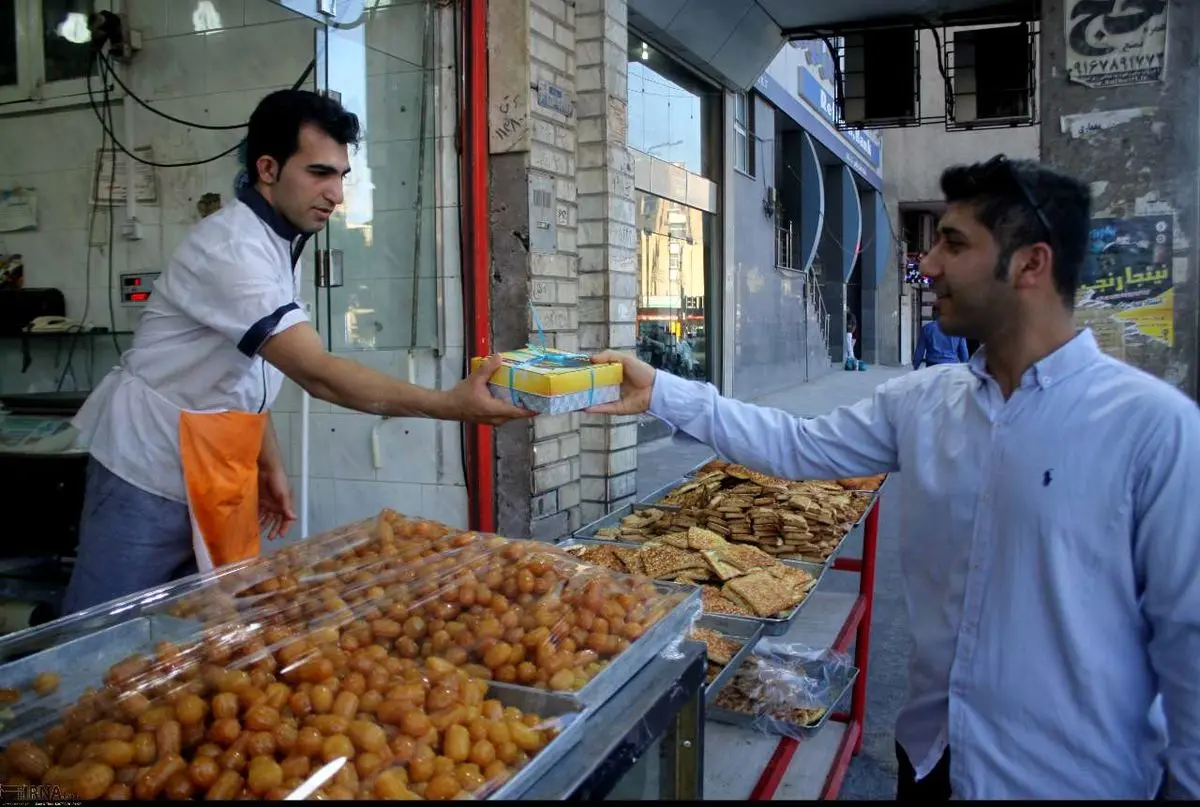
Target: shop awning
(732,41)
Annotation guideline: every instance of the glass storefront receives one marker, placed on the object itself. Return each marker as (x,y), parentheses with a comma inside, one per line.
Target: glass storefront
(670,111)
(674,130)
(674,256)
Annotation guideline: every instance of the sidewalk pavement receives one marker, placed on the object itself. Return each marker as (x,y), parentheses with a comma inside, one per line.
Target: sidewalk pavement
(872,774)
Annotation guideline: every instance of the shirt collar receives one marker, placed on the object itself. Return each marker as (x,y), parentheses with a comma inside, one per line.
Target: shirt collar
(270,216)
(1076,354)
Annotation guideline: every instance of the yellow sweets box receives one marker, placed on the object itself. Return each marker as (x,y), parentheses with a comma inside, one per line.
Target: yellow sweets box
(551,382)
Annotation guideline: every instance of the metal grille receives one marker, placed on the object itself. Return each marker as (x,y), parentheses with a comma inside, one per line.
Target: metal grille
(984,90)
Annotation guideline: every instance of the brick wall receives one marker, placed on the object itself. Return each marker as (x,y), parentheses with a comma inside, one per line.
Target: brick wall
(607,243)
(562,471)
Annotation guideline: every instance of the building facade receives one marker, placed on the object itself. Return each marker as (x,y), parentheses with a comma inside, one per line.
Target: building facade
(918,155)
(813,248)
(1121,111)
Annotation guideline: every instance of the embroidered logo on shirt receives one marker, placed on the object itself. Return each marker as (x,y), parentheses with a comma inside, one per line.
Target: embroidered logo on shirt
(1047,478)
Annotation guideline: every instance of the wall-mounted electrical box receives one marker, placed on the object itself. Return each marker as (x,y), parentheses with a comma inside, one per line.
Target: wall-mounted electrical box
(135,287)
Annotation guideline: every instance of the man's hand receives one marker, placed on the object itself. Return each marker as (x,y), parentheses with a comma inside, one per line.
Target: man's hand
(300,355)
(275,513)
(472,401)
(637,385)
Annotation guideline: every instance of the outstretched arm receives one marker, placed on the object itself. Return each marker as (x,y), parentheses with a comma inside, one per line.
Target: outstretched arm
(858,440)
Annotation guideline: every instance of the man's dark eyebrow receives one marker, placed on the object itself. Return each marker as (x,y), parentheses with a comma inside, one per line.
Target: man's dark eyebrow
(323,168)
(947,231)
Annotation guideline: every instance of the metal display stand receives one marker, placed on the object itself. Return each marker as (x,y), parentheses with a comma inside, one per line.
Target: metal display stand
(856,628)
(664,701)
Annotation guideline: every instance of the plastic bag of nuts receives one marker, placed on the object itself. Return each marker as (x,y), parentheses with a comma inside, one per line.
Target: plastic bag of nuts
(365,656)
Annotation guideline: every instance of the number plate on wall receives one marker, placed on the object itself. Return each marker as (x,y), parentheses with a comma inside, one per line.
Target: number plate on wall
(543,226)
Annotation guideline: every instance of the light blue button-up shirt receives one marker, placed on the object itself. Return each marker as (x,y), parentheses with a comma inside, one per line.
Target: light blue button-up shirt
(1050,547)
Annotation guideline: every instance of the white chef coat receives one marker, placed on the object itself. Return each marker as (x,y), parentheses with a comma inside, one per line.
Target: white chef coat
(230,286)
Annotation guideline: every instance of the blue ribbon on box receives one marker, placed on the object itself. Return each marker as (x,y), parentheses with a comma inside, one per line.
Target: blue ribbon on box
(542,357)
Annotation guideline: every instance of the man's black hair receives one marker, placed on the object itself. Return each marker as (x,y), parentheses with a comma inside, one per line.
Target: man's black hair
(276,122)
(1022,203)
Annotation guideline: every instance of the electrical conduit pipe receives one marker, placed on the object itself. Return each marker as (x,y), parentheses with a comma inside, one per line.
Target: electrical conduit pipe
(473,109)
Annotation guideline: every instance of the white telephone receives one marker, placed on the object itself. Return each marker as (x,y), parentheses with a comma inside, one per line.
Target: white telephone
(51,324)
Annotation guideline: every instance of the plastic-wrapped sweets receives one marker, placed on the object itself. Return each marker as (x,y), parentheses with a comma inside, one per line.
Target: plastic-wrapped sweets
(387,659)
(788,689)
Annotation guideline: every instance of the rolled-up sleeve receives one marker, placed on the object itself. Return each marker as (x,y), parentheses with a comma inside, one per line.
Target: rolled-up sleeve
(1167,559)
(235,289)
(857,440)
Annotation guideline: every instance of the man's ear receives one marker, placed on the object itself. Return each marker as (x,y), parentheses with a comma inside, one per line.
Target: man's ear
(1032,266)
(268,169)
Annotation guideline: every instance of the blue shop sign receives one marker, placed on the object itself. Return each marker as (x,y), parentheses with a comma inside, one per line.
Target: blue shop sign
(862,153)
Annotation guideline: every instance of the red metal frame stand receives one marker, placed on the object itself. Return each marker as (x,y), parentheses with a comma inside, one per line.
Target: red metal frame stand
(858,627)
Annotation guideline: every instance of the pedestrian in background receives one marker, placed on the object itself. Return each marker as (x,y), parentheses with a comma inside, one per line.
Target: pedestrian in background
(935,347)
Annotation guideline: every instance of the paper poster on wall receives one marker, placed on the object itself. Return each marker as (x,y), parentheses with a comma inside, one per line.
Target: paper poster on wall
(1115,42)
(1128,283)
(18,209)
(111,182)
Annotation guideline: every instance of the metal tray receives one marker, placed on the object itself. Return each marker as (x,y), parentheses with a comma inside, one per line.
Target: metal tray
(670,486)
(672,627)
(843,678)
(81,663)
(567,709)
(652,501)
(613,519)
(748,635)
(734,625)
(855,529)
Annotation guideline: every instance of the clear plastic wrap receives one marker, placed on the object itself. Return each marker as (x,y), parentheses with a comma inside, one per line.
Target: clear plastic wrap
(788,689)
(392,658)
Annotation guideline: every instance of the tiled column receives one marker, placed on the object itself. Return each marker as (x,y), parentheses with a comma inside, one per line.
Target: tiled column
(607,243)
(535,258)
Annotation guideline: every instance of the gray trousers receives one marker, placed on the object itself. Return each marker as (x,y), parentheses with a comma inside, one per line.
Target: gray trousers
(129,541)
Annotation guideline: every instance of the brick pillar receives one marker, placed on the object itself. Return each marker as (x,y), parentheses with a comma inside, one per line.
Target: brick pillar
(607,243)
(532,122)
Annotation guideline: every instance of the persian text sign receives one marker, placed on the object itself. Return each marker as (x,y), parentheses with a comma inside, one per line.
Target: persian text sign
(1128,279)
(1115,42)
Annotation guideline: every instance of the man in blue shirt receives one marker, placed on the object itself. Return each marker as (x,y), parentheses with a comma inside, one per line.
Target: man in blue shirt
(1049,524)
(935,347)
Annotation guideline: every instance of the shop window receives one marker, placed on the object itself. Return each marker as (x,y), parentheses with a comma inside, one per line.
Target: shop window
(671,112)
(673,271)
(45,51)
(743,133)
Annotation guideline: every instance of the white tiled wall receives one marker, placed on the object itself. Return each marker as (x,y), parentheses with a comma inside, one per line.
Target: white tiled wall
(217,75)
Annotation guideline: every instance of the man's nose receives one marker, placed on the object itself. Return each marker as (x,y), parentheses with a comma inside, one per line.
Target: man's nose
(336,192)
(930,267)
